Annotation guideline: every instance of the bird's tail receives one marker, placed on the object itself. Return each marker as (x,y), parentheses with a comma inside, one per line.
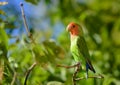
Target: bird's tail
(89,66)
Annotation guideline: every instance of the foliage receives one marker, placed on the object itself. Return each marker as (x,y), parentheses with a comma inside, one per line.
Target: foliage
(100,20)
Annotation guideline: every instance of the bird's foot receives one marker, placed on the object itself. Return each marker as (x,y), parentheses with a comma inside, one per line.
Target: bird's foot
(75,73)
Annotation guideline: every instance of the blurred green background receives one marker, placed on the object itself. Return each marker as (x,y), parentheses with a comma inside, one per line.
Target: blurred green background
(47,20)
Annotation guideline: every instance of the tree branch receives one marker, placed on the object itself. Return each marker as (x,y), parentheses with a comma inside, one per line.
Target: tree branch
(31,37)
(73,66)
(25,23)
(24,19)
(14,78)
(97,76)
(77,70)
(75,73)
(28,72)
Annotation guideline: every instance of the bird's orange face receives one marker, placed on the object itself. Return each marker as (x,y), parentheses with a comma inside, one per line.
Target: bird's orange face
(73,28)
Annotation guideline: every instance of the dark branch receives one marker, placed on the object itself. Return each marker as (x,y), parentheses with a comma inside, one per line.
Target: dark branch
(28,72)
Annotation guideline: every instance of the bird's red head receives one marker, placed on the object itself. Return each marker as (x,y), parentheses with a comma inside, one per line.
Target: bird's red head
(74,29)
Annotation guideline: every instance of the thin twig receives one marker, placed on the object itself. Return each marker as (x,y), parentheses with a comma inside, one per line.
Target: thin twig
(28,72)
(67,66)
(24,19)
(25,23)
(14,78)
(76,71)
(31,37)
(97,76)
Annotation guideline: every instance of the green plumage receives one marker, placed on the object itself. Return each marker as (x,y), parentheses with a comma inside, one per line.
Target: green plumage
(78,46)
(80,52)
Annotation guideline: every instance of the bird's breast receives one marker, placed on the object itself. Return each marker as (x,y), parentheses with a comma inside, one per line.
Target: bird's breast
(76,51)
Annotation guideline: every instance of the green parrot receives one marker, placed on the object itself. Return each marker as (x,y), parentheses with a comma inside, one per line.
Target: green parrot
(78,46)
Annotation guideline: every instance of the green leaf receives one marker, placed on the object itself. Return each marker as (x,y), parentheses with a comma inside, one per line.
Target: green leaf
(3,40)
(53,49)
(54,83)
(10,26)
(3,56)
(48,51)
(48,1)
(40,56)
(35,2)
(108,80)
(2,12)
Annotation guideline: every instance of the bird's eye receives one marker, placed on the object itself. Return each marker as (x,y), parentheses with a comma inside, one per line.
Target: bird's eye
(73,26)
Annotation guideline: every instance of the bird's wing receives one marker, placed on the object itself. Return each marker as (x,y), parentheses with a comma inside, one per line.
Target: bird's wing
(82,46)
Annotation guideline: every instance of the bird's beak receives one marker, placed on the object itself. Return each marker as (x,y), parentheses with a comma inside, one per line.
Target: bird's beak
(68,28)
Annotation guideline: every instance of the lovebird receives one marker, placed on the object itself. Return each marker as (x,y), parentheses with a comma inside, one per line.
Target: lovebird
(78,47)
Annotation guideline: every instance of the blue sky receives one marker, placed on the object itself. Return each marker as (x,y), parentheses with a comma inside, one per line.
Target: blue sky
(33,13)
